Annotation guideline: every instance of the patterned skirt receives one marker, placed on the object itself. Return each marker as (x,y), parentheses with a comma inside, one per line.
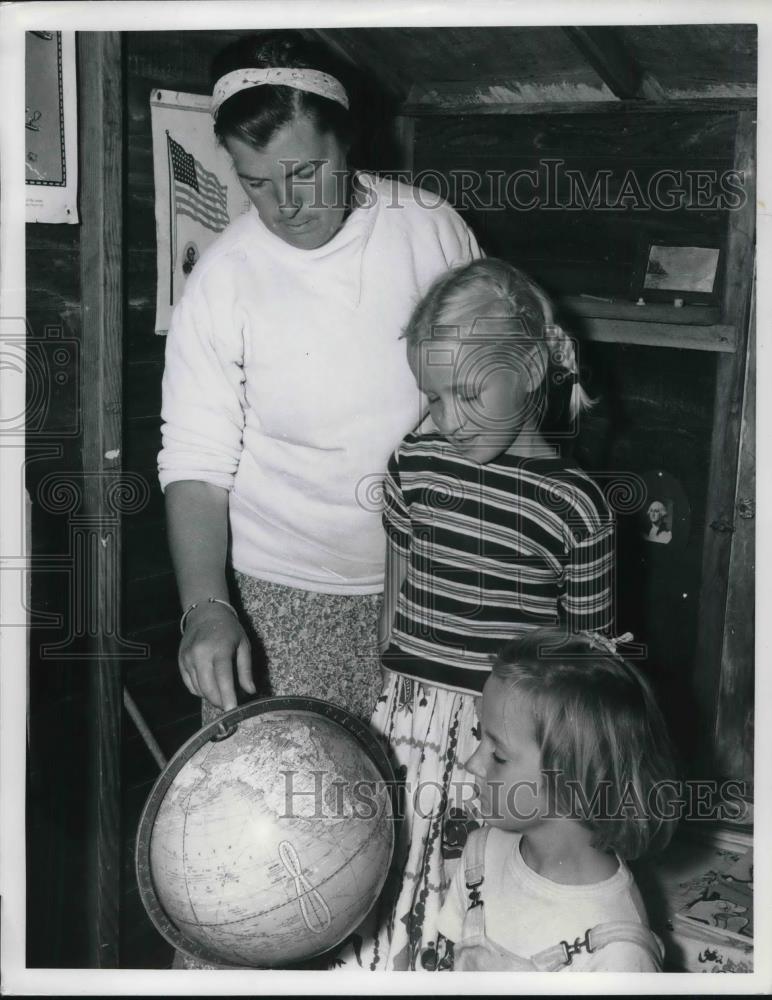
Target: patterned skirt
(309,644)
(431,733)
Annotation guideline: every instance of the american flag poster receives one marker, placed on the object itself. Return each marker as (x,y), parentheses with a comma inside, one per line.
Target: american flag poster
(197,192)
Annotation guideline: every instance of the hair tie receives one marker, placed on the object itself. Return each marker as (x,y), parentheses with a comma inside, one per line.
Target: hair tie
(606,643)
(313,81)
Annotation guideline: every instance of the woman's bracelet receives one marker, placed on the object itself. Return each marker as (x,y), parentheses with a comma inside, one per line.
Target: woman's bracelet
(209,600)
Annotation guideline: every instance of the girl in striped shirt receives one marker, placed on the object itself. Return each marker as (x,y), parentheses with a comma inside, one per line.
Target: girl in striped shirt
(490,534)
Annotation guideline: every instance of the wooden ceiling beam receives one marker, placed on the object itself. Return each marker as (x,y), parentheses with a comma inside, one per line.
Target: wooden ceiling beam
(607,51)
(677,106)
(345,48)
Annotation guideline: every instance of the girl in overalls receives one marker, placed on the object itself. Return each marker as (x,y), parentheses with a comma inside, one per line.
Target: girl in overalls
(574,775)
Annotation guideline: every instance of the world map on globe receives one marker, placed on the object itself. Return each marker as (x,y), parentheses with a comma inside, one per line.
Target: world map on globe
(268,846)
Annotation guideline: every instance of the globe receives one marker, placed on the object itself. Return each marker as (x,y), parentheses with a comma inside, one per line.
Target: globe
(268,836)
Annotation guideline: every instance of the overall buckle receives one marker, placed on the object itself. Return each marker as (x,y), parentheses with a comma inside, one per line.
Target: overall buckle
(474,893)
(579,945)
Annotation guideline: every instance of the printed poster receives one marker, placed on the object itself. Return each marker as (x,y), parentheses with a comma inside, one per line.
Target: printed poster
(197,192)
(51,127)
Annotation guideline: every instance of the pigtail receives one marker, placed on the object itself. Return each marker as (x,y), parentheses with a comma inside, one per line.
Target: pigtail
(563,357)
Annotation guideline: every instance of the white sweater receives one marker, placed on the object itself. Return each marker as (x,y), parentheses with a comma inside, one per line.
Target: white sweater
(286,382)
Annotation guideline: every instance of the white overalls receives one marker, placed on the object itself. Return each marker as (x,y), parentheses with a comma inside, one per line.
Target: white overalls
(560,955)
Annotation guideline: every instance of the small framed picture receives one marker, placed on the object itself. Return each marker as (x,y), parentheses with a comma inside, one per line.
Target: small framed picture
(658,525)
(665,515)
(668,269)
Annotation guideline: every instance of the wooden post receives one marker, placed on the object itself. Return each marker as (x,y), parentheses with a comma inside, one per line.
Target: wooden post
(404,128)
(101,167)
(734,718)
(725,440)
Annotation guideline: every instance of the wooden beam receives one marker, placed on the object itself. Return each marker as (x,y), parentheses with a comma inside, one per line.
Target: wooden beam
(607,51)
(734,715)
(332,42)
(404,129)
(450,106)
(727,420)
(485,90)
(741,232)
(101,166)
(337,40)
(717,337)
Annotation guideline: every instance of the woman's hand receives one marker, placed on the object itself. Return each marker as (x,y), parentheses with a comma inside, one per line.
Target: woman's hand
(212,642)
(480,954)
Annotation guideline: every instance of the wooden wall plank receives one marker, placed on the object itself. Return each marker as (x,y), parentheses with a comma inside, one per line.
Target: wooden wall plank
(725,438)
(141,448)
(632,131)
(151,600)
(709,58)
(149,539)
(653,412)
(142,389)
(538,60)
(734,729)
(56,830)
(405,141)
(712,59)
(101,144)
(53,238)
(461,99)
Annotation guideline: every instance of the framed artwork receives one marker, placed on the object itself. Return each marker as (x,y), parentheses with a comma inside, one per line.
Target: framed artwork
(668,269)
(50,120)
(665,515)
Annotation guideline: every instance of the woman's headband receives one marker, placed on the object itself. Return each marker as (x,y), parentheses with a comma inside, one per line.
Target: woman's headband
(311,80)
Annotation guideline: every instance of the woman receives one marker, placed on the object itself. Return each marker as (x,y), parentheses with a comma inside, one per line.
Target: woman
(286,388)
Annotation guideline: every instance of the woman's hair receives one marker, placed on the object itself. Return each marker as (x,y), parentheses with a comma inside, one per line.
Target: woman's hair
(493,289)
(605,749)
(255,114)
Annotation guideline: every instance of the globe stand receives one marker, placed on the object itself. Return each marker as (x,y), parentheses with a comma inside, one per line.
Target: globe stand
(221,729)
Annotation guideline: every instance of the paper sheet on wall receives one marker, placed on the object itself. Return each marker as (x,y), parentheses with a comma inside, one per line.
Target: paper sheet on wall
(197,192)
(51,147)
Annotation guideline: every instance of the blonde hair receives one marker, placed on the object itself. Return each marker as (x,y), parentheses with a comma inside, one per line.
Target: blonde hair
(599,728)
(493,289)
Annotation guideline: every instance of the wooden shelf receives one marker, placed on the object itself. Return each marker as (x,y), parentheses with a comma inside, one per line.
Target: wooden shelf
(718,337)
(650,312)
(692,328)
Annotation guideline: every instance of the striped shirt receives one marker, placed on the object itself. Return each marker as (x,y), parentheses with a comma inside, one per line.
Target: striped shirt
(493,551)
